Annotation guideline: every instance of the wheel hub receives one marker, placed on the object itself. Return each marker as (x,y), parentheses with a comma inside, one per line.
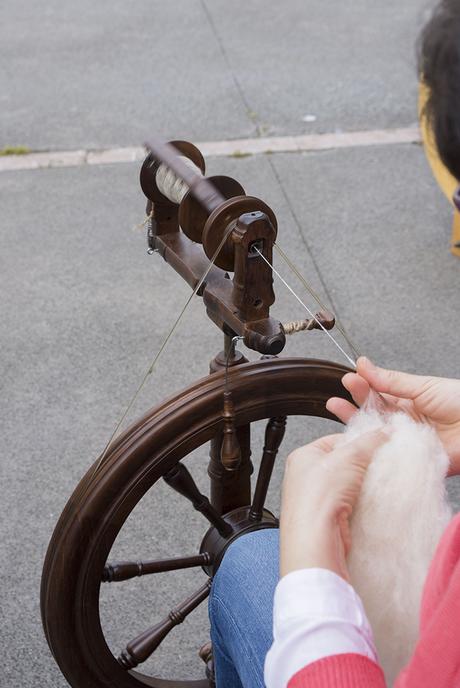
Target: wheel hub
(241,522)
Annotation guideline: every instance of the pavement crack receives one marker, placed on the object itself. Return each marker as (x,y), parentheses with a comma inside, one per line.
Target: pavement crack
(249,112)
(309,250)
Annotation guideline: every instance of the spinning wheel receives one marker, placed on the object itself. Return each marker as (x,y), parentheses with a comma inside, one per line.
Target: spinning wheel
(218,409)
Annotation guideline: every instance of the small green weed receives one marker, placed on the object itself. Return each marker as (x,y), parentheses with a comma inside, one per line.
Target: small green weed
(15,150)
(240,154)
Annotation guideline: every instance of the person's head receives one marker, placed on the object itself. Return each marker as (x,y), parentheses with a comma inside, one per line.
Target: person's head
(439,68)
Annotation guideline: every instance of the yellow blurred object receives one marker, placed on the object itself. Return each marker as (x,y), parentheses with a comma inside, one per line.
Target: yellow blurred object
(446,181)
(455,248)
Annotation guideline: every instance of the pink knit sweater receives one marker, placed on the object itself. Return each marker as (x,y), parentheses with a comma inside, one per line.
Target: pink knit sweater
(436,660)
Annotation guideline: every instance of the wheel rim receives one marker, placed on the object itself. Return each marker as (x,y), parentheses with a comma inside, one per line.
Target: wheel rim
(103,500)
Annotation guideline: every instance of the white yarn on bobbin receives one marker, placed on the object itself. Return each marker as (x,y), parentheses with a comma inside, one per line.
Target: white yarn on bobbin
(398,521)
(172,186)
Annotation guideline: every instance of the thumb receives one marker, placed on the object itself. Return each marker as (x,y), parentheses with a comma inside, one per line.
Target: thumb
(390,381)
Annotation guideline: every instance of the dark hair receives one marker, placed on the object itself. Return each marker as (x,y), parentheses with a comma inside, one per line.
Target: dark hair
(439,68)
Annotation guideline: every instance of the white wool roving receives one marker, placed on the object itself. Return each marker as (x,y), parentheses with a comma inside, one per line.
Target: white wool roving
(401,514)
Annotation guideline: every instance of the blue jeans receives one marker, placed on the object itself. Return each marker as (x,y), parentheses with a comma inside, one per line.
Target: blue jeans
(241,609)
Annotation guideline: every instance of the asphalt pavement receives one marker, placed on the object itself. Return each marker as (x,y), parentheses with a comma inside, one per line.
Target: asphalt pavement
(85,308)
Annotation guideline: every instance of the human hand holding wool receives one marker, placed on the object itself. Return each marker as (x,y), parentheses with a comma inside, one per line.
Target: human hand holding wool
(394,491)
(431,399)
(321,486)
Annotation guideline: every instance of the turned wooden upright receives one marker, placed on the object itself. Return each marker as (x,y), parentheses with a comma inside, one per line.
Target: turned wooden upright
(191,217)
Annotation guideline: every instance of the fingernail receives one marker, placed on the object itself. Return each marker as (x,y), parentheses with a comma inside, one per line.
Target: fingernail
(347,376)
(367,362)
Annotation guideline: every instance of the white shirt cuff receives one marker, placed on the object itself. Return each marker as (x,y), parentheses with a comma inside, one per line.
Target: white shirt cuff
(316,614)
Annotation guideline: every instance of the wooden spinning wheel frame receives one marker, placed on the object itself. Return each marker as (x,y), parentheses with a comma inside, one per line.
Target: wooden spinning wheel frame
(186,210)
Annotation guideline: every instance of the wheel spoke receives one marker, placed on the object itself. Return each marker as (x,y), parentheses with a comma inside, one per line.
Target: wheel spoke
(180,480)
(140,649)
(274,434)
(124,570)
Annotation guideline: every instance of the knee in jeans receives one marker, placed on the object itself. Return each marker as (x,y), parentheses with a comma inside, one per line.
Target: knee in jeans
(244,561)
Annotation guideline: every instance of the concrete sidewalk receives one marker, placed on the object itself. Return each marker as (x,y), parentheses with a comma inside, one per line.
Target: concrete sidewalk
(86,307)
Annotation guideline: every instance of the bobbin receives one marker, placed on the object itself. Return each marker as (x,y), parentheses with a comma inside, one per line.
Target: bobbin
(151,164)
(205,218)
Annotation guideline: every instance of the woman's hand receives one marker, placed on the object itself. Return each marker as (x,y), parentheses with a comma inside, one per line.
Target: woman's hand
(320,488)
(433,399)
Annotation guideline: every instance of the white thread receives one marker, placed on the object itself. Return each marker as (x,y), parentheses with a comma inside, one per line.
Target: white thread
(172,186)
(311,314)
(313,293)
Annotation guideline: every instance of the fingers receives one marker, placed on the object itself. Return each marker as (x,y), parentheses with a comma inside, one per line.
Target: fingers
(343,409)
(357,386)
(362,448)
(324,444)
(390,381)
(359,390)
